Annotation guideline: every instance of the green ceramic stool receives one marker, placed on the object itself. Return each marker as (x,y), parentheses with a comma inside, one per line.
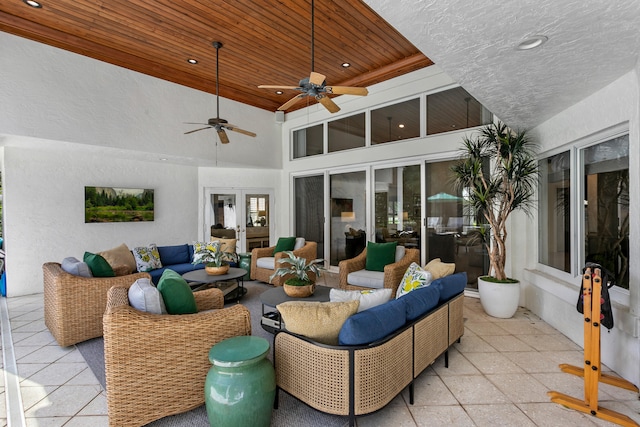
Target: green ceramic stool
(245,262)
(241,385)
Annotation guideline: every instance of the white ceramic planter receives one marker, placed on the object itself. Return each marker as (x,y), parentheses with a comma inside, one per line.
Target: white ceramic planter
(499,299)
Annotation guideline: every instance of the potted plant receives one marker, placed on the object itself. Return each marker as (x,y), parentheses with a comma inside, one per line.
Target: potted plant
(301,275)
(498,174)
(215,259)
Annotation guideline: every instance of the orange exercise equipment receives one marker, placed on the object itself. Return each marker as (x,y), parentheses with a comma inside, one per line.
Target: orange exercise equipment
(592,309)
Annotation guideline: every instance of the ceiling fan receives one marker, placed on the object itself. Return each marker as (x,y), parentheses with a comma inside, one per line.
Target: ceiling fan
(219,124)
(315,85)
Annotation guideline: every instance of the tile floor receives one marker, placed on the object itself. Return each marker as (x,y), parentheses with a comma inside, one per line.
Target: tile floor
(498,375)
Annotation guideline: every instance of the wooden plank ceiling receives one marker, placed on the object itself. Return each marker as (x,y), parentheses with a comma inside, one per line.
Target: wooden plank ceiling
(264,42)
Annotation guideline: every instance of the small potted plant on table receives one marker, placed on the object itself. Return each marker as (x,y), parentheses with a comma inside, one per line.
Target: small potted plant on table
(215,259)
(301,275)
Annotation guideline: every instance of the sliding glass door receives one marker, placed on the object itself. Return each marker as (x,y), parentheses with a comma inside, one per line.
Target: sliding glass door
(348,208)
(309,209)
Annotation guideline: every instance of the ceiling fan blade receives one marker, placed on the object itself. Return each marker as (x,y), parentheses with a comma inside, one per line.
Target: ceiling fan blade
(237,129)
(317,78)
(328,103)
(223,136)
(347,90)
(277,87)
(194,123)
(196,130)
(291,102)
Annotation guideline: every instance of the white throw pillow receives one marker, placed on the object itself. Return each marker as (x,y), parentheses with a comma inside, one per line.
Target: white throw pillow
(368,298)
(414,278)
(76,267)
(299,243)
(145,297)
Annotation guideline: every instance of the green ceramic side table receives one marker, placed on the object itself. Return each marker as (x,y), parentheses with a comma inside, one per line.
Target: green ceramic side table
(240,387)
(245,263)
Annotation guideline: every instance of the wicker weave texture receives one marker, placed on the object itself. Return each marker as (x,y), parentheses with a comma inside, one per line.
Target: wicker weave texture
(456,318)
(156,365)
(392,272)
(308,252)
(74,305)
(431,336)
(381,372)
(318,376)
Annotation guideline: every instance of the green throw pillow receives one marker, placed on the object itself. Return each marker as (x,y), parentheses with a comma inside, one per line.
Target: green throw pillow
(379,255)
(285,244)
(176,293)
(98,265)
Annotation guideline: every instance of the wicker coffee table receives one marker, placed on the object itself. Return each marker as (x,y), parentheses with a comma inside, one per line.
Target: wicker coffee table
(271,321)
(231,284)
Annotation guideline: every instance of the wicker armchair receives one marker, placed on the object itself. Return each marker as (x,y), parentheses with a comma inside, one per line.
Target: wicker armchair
(74,305)
(309,252)
(156,365)
(392,272)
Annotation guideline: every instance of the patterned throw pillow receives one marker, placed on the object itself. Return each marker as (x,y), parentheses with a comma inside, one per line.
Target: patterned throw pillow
(368,297)
(147,257)
(201,250)
(414,278)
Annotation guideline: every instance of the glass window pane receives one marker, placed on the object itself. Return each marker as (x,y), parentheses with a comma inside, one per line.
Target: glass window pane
(606,206)
(348,222)
(397,205)
(309,210)
(307,142)
(554,232)
(452,234)
(396,122)
(346,133)
(454,109)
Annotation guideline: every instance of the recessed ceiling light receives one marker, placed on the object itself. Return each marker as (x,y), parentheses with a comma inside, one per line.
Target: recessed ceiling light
(279,92)
(346,65)
(192,61)
(32,3)
(532,42)
(164,159)
(401,125)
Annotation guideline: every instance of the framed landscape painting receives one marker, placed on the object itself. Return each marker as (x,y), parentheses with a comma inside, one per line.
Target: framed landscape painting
(115,204)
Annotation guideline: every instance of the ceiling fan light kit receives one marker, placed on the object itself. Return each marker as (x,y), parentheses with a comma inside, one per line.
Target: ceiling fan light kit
(220,125)
(315,85)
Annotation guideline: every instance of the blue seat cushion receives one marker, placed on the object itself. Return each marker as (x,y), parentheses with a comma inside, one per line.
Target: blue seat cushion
(178,268)
(451,285)
(421,301)
(373,324)
(171,255)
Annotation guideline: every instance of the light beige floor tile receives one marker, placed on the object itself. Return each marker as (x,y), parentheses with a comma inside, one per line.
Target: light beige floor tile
(38,339)
(25,370)
(37,314)
(506,343)
(392,416)
(474,389)
(549,342)
(569,357)
(505,415)
(97,407)
(73,356)
(86,377)
(441,416)
(34,393)
(486,328)
(32,326)
(521,388)
(64,401)
(47,422)
(533,361)
(475,344)
(48,354)
(85,421)
(458,365)
(520,327)
(567,384)
(57,373)
(552,415)
(493,363)
(429,390)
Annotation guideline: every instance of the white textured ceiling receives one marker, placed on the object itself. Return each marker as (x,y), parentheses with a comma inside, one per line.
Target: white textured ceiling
(591,44)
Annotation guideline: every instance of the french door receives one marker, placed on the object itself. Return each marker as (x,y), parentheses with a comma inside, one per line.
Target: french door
(243,214)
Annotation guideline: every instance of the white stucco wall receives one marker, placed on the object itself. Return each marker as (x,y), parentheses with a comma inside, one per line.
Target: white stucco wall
(44,207)
(552,294)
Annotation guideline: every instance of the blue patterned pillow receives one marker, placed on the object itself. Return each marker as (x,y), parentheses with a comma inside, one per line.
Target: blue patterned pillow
(147,257)
(414,278)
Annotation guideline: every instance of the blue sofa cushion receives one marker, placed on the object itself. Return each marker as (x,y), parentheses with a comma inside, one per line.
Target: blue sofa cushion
(373,324)
(451,285)
(171,255)
(421,301)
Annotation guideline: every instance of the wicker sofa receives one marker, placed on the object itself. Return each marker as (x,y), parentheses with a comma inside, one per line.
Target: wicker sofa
(74,305)
(156,365)
(355,380)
